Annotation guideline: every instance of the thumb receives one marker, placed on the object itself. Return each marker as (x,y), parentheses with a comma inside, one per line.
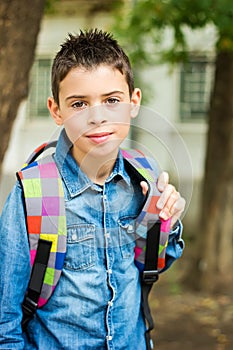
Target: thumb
(144,187)
(163,180)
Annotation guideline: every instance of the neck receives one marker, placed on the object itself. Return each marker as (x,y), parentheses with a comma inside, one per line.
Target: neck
(97,169)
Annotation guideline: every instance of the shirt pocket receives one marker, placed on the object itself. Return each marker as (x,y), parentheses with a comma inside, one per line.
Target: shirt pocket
(127,236)
(80,252)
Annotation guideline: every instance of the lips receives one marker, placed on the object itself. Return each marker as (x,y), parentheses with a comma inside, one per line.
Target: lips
(99,137)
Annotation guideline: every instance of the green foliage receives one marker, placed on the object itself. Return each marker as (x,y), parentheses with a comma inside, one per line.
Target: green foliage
(50,6)
(106,6)
(146,22)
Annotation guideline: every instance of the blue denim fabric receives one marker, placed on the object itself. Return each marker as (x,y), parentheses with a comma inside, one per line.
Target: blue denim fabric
(97,303)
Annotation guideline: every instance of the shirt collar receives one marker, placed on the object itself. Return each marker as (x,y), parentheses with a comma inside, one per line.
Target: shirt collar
(119,170)
(75,179)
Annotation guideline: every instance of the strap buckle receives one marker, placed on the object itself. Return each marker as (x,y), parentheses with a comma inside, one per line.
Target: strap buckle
(29,306)
(150,276)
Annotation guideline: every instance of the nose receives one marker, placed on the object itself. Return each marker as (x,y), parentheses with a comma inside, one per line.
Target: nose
(97,115)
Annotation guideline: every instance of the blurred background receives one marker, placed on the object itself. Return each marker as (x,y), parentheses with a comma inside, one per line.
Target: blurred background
(182,57)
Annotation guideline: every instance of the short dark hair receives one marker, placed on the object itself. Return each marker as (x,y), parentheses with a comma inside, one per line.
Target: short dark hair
(89,49)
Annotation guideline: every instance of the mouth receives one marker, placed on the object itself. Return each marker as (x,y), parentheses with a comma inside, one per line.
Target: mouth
(100,137)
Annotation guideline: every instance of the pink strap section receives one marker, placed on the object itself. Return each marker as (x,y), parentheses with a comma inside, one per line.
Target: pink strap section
(166,225)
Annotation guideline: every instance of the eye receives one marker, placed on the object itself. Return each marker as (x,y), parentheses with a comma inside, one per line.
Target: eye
(79,105)
(112,101)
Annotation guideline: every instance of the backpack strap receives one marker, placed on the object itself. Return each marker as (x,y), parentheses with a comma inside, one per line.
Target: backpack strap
(151,235)
(31,299)
(46,226)
(149,215)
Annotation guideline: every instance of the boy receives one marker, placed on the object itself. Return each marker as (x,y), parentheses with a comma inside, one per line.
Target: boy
(97,303)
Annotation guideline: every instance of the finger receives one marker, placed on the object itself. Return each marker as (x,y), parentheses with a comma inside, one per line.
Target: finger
(169,189)
(174,219)
(174,211)
(172,200)
(163,180)
(180,206)
(144,187)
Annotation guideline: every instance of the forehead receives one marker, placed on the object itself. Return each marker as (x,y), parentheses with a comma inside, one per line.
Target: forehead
(99,78)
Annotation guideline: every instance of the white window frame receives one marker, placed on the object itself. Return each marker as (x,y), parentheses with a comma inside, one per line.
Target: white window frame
(40,88)
(196,81)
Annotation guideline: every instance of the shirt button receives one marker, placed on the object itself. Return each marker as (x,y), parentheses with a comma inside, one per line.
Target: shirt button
(130,228)
(110,303)
(74,236)
(109,271)
(109,337)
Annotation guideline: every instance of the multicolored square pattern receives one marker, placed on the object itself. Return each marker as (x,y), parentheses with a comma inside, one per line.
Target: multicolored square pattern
(149,211)
(46,218)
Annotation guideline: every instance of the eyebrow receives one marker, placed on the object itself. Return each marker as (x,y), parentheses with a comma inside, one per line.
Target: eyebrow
(113,93)
(103,95)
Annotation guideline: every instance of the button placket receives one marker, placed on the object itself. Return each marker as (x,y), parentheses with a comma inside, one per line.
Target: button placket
(107,238)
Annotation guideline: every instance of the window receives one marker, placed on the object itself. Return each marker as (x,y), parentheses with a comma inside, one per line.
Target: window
(40,88)
(195,88)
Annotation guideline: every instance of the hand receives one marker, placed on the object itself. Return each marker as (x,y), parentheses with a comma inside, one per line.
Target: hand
(170,203)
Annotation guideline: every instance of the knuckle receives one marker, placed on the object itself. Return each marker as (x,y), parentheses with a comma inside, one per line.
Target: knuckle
(170,188)
(175,195)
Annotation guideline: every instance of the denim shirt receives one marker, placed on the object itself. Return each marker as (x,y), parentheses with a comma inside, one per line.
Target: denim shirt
(97,302)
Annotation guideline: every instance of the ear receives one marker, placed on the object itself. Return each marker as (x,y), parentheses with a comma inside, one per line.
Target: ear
(135,102)
(54,111)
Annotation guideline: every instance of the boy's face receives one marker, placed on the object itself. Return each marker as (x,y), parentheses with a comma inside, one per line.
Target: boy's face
(95,109)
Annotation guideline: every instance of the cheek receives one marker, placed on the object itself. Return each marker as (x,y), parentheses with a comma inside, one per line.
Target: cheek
(123,130)
(75,126)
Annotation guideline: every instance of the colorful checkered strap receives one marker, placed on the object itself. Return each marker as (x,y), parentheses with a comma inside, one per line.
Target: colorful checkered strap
(45,216)
(149,213)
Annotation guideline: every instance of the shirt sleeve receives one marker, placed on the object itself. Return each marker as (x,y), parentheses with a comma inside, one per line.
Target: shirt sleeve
(175,246)
(14,270)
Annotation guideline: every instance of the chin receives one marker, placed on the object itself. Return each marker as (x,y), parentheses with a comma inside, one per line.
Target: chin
(105,150)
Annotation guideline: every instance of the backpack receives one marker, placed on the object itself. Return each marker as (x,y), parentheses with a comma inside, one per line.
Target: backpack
(44,198)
